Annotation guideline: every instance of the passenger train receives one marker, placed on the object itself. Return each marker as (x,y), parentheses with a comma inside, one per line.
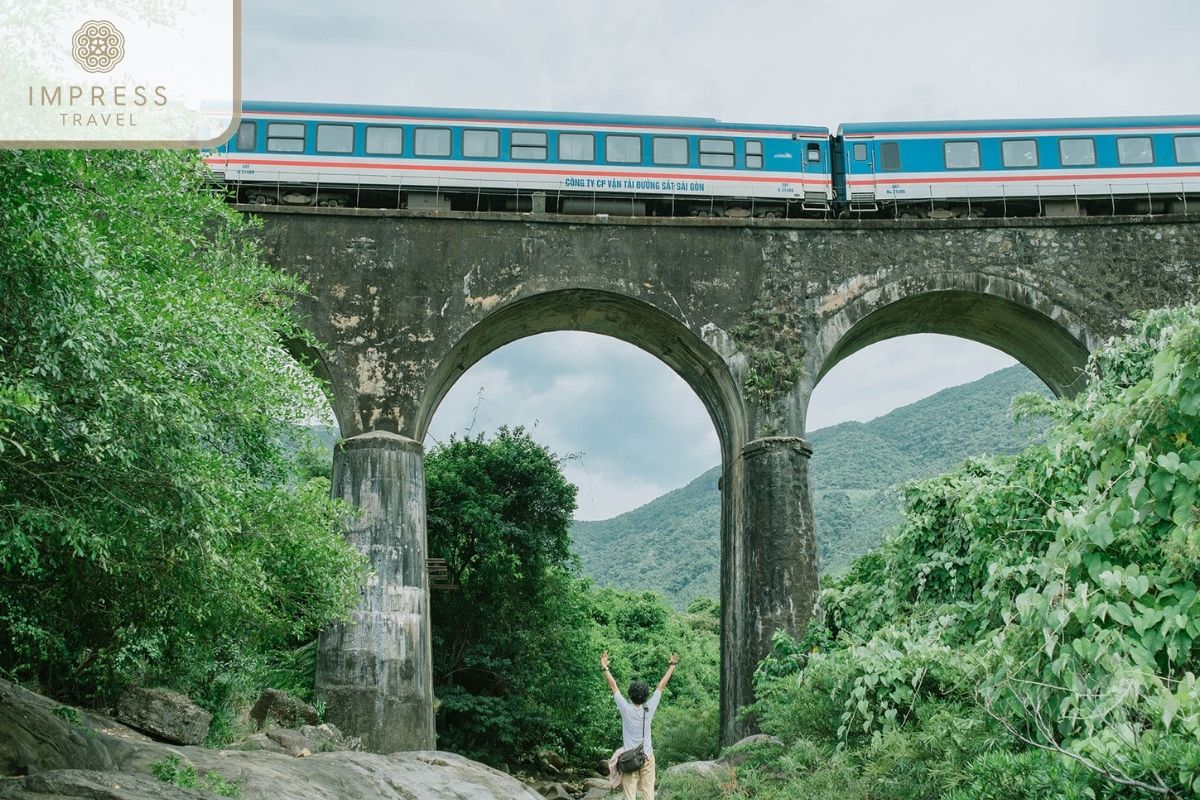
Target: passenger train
(570,163)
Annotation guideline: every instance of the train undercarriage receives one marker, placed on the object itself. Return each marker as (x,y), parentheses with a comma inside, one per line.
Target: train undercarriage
(644,205)
(483,200)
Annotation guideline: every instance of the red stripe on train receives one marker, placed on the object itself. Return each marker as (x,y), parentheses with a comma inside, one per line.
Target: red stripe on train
(800,178)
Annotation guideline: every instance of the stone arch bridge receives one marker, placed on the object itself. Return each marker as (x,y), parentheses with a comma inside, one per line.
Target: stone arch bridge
(750,313)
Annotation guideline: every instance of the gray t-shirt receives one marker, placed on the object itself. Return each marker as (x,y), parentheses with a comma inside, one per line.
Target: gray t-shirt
(631,720)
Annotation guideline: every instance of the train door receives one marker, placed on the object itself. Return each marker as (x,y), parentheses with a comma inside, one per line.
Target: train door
(861,173)
(814,175)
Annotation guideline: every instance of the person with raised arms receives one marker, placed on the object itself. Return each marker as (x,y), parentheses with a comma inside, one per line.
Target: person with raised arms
(637,716)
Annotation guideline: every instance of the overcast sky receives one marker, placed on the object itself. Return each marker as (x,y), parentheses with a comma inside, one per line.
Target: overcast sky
(640,429)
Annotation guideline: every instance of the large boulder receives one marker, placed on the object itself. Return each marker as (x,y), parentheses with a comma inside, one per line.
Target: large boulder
(164,714)
(95,785)
(38,734)
(48,751)
(280,708)
(740,751)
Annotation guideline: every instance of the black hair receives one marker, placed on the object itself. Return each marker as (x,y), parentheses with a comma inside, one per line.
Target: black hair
(638,692)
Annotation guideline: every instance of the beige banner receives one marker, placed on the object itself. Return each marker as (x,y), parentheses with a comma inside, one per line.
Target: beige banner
(119,73)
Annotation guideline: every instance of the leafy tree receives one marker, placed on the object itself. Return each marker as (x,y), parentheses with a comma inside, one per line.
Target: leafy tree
(513,650)
(517,640)
(151,526)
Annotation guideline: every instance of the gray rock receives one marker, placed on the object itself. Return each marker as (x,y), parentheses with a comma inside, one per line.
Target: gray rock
(552,761)
(739,752)
(702,768)
(164,715)
(259,741)
(291,741)
(280,708)
(555,791)
(93,785)
(44,747)
(326,738)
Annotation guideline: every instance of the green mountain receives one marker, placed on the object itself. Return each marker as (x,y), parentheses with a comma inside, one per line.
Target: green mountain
(671,544)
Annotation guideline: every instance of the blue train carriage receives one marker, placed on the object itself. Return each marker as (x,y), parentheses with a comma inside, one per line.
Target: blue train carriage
(469,159)
(1020,167)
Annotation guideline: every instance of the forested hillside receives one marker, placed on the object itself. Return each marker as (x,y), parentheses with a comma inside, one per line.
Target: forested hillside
(670,545)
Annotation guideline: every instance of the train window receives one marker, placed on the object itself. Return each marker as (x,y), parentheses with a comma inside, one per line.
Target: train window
(385,140)
(285,137)
(528,145)
(962,155)
(481,144)
(814,153)
(1019,152)
(860,151)
(1135,150)
(335,138)
(669,150)
(889,155)
(1187,149)
(1077,152)
(623,149)
(754,157)
(576,147)
(431,141)
(716,152)
(247,136)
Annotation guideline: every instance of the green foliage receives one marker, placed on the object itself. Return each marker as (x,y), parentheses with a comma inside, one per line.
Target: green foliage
(1030,630)
(513,656)
(640,631)
(671,545)
(153,527)
(172,770)
(1030,775)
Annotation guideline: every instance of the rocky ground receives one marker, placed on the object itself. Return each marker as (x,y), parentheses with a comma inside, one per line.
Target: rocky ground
(53,751)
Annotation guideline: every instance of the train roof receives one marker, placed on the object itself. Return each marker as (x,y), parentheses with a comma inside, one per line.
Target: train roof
(1018,125)
(497,115)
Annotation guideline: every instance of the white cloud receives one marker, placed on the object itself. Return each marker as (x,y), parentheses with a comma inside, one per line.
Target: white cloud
(775,61)
(897,372)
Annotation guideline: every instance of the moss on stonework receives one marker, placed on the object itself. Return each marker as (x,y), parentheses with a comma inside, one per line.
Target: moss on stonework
(774,349)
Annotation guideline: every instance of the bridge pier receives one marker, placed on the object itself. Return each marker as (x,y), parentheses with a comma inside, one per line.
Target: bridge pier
(374,671)
(775,566)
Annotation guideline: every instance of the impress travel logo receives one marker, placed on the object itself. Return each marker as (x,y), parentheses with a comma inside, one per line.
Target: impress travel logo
(119,73)
(98,46)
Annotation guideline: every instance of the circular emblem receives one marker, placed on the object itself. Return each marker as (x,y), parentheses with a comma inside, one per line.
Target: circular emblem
(98,46)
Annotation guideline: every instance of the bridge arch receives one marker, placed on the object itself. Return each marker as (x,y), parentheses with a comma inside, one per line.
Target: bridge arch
(596,311)
(312,357)
(708,374)
(999,312)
